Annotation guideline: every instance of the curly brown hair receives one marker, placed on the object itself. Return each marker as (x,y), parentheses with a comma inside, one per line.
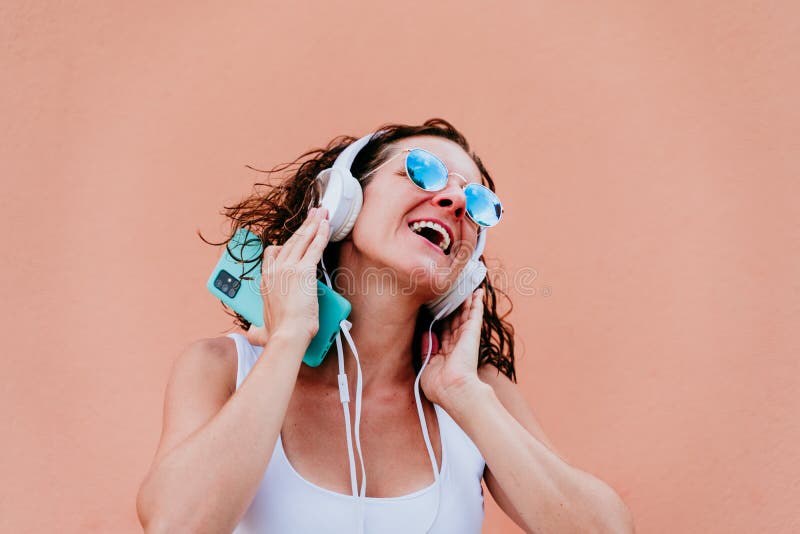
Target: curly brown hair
(276,211)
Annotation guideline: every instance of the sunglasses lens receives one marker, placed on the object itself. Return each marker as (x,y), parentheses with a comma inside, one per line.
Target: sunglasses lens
(483,206)
(426,170)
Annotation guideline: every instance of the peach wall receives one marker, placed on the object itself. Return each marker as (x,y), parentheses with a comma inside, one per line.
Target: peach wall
(647,153)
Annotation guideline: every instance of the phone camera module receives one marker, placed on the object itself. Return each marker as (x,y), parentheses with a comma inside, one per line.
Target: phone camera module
(227,283)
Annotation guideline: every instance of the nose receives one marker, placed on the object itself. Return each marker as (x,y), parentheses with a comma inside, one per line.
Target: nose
(451,198)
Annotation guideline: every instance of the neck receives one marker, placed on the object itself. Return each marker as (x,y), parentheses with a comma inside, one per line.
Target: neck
(383,328)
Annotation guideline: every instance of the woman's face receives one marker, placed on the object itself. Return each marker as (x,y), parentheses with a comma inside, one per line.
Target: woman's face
(386,237)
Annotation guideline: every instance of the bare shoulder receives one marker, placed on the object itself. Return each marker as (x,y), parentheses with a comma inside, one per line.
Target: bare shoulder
(512,399)
(213,358)
(202,380)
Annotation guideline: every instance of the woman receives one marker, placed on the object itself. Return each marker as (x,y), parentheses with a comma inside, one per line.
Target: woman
(252,439)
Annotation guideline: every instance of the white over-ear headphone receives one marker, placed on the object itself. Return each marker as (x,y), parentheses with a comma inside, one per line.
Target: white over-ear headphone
(342,196)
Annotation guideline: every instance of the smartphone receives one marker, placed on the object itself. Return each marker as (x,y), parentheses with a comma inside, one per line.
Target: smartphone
(236,281)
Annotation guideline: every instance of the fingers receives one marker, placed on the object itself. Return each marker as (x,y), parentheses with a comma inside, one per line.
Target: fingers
(298,237)
(431,340)
(474,315)
(467,321)
(471,310)
(476,308)
(463,313)
(290,243)
(471,304)
(314,251)
(267,284)
(296,246)
(268,263)
(447,338)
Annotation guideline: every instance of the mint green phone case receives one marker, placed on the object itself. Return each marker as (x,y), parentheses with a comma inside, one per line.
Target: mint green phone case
(236,281)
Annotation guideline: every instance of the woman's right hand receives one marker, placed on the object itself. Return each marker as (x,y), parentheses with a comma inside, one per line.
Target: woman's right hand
(289,282)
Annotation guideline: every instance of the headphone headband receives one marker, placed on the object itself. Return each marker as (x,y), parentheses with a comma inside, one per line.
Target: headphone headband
(346,158)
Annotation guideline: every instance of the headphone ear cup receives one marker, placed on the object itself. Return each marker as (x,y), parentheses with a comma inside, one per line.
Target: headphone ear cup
(354,208)
(341,195)
(468,281)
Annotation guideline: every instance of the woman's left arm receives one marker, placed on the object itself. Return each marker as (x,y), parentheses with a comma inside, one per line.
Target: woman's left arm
(530,482)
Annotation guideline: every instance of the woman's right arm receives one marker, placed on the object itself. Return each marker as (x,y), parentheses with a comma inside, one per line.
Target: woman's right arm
(204,482)
(215,443)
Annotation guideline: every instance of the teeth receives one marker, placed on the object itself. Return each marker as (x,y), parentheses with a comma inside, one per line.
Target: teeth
(430,224)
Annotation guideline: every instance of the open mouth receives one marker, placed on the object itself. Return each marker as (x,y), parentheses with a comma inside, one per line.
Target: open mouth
(433,232)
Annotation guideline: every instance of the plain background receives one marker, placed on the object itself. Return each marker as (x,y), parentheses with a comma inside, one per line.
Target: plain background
(646,152)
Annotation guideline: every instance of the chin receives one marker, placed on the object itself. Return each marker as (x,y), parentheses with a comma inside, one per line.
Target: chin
(407,266)
(424,276)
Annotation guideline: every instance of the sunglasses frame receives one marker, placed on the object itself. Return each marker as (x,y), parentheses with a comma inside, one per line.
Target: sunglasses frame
(467,183)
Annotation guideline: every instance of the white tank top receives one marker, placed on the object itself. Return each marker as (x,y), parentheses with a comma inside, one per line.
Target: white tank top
(285,502)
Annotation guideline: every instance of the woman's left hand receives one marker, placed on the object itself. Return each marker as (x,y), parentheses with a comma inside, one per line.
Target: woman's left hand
(453,366)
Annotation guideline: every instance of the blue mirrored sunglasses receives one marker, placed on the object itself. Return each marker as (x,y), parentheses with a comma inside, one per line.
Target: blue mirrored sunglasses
(429,173)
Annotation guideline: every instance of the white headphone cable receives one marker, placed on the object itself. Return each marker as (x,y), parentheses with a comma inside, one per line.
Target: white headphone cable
(345,325)
(344,397)
(424,424)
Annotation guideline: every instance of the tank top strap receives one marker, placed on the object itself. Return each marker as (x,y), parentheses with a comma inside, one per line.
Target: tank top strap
(461,448)
(247,355)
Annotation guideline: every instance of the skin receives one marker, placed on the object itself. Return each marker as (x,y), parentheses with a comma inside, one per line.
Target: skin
(383,329)
(381,240)
(228,431)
